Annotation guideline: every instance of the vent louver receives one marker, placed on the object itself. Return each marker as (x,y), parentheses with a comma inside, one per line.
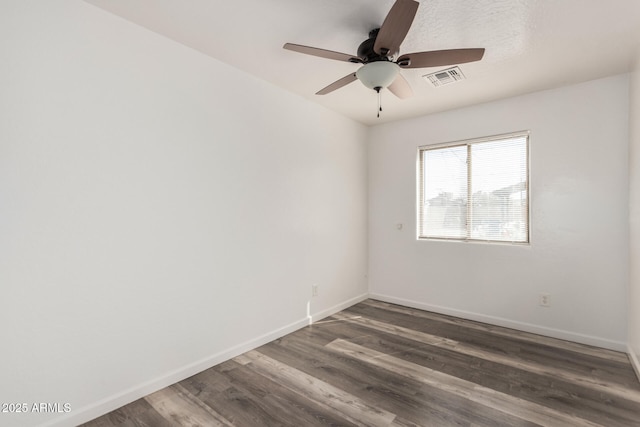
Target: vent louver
(444,77)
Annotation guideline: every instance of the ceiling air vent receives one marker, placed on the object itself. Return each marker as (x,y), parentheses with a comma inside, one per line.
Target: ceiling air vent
(444,77)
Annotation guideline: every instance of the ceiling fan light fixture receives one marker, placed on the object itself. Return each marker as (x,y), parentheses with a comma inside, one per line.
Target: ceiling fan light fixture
(379,74)
(380,68)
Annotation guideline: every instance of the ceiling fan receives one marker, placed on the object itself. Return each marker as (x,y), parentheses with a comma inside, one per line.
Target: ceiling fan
(380,69)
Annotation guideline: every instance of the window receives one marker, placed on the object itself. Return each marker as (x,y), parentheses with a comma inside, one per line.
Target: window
(475,190)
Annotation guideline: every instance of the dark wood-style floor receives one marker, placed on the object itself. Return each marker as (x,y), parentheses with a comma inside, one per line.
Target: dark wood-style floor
(378,364)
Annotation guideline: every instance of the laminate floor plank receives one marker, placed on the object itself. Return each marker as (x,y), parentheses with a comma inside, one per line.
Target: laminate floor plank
(291,409)
(177,405)
(355,378)
(232,401)
(353,408)
(380,364)
(520,361)
(136,414)
(464,389)
(326,330)
(581,364)
(404,396)
(540,389)
(599,364)
(578,348)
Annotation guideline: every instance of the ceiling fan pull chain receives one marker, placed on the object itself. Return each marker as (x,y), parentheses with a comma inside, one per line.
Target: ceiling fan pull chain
(379,100)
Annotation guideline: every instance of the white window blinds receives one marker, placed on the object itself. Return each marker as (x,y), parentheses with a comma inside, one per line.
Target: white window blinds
(475,190)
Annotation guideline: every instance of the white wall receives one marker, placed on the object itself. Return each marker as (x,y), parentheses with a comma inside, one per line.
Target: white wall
(634,218)
(159,211)
(579,226)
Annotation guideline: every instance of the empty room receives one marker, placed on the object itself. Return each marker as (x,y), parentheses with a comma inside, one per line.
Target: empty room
(306,212)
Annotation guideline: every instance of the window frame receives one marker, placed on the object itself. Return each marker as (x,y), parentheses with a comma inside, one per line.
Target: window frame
(420,199)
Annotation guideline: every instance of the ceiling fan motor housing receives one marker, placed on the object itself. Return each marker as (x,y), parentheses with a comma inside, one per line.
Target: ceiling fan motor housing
(365,50)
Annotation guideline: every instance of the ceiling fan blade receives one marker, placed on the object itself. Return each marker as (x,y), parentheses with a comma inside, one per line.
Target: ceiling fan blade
(322,53)
(400,87)
(437,58)
(338,84)
(395,27)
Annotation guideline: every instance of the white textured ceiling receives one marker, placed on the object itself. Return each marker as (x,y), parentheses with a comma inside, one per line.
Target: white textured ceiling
(530,44)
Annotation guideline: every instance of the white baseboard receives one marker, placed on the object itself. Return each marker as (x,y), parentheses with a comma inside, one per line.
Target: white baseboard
(111,403)
(635,361)
(94,410)
(338,307)
(499,321)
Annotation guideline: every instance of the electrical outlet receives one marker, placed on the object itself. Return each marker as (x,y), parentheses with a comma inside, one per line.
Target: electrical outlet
(545,300)
(314,290)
